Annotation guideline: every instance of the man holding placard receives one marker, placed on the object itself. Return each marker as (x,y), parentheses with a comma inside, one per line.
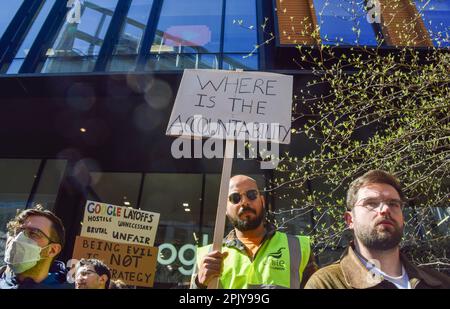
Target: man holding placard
(254,254)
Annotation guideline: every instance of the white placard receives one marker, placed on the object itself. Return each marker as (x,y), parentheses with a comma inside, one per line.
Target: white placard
(254,106)
(119,224)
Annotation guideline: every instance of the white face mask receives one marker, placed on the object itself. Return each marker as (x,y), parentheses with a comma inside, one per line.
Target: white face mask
(22,253)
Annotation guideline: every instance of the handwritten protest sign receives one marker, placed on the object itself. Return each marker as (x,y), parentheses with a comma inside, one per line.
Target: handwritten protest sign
(254,106)
(119,224)
(134,264)
(231,105)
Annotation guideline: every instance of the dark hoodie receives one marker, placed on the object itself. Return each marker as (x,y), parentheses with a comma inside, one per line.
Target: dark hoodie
(56,279)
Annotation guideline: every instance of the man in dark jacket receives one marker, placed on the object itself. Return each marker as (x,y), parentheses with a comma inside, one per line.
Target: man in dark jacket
(374,213)
(35,238)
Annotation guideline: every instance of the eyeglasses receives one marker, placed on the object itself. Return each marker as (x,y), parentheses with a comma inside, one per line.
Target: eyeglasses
(235,197)
(33,233)
(373,204)
(85,272)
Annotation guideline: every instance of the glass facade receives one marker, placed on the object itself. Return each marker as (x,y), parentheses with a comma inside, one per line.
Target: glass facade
(30,37)
(188,35)
(130,37)
(17,179)
(240,37)
(137,35)
(7,12)
(15,191)
(111,35)
(49,182)
(78,43)
(201,33)
(436,17)
(442,215)
(344,23)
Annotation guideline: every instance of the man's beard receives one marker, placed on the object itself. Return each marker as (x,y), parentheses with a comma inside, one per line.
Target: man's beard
(247,224)
(374,239)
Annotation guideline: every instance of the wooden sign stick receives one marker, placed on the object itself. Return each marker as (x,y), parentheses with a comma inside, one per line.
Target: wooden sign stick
(222,204)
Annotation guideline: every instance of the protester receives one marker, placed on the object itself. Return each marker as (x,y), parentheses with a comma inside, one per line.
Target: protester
(254,254)
(374,260)
(35,238)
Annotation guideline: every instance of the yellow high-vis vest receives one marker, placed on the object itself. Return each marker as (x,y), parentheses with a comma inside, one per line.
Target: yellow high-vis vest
(279,263)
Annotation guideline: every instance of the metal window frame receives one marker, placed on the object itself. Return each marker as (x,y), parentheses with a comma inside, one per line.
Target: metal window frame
(149,35)
(260,14)
(44,38)
(34,61)
(36,183)
(112,35)
(222,34)
(51,27)
(16,31)
(152,24)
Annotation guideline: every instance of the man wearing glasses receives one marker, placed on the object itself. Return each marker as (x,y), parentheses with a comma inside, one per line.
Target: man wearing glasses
(374,214)
(92,274)
(35,238)
(254,254)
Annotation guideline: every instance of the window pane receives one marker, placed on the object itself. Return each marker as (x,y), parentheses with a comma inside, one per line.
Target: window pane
(115,188)
(7,11)
(77,44)
(436,17)
(16,179)
(189,27)
(48,186)
(121,63)
(15,65)
(168,195)
(69,64)
(240,26)
(240,61)
(130,36)
(182,61)
(30,37)
(177,197)
(188,35)
(344,22)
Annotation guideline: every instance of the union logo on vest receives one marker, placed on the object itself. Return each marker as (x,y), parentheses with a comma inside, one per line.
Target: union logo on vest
(274,258)
(277,254)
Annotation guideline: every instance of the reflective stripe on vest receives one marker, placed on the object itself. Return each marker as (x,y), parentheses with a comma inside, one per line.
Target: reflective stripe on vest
(270,268)
(295,256)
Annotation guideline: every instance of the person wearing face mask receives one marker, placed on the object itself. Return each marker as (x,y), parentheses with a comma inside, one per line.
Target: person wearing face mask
(254,254)
(35,238)
(374,259)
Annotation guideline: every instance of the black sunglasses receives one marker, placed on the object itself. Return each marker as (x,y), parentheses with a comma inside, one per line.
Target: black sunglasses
(235,197)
